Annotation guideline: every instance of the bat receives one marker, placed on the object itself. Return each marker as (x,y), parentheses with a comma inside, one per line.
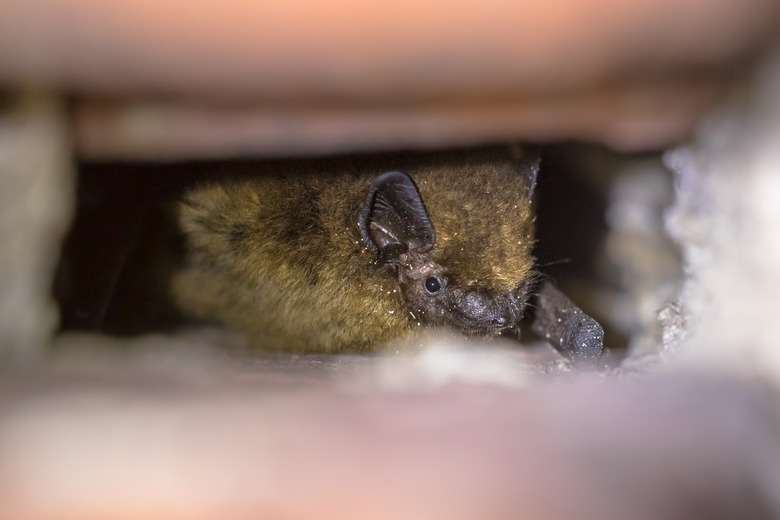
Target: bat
(348,255)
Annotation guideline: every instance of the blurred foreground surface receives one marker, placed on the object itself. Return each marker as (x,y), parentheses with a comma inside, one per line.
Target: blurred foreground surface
(198,436)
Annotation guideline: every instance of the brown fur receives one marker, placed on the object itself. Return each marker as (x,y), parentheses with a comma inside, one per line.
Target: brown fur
(280,255)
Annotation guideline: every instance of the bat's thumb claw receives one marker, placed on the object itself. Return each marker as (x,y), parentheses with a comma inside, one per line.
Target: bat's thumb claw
(584,340)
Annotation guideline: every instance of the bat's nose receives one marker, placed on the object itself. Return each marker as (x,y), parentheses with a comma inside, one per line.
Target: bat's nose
(488,310)
(500,321)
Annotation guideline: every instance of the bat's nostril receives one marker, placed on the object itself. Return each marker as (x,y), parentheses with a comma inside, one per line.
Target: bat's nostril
(499,320)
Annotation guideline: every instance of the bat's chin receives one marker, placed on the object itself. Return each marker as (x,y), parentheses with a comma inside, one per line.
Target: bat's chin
(485,327)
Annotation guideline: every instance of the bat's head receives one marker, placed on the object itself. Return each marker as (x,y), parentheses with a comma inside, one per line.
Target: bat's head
(459,240)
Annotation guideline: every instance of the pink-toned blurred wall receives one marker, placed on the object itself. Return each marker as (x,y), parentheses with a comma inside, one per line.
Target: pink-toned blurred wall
(239,77)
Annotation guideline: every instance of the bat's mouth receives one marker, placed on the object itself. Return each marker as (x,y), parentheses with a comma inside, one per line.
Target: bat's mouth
(482,315)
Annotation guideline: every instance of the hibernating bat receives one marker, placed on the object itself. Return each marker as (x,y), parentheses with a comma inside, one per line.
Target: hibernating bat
(350,255)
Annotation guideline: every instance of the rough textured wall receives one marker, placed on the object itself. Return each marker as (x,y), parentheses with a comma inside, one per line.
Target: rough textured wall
(35,207)
(727,220)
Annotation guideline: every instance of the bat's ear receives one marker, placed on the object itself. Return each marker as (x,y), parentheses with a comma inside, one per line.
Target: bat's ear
(393,219)
(526,159)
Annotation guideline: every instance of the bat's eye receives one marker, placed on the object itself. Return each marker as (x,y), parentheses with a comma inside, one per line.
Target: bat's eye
(432,284)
